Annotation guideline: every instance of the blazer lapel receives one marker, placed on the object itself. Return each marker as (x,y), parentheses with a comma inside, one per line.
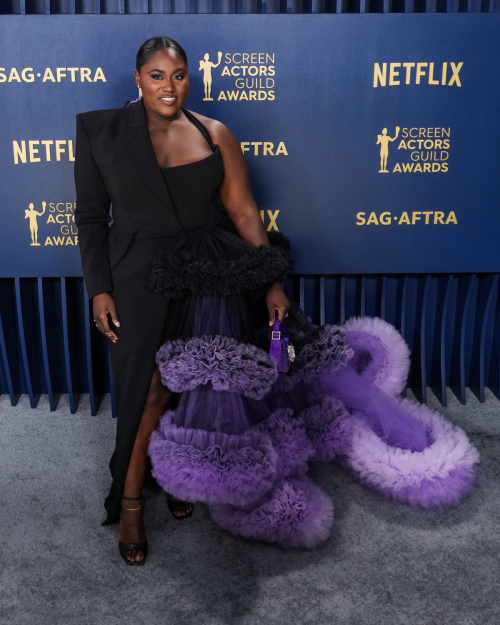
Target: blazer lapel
(139,148)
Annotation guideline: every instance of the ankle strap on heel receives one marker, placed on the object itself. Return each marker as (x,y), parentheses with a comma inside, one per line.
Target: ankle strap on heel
(141,499)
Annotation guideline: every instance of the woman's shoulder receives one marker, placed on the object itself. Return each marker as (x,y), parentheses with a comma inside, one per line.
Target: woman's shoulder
(215,127)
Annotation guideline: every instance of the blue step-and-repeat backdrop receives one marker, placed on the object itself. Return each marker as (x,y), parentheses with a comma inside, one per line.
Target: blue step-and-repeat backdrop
(372,141)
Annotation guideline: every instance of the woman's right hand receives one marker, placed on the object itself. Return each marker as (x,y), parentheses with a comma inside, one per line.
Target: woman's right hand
(102,305)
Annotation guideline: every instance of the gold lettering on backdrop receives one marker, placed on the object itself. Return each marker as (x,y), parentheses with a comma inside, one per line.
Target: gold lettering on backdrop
(384,219)
(250,74)
(48,74)
(64,240)
(72,71)
(47,143)
(249,57)
(379,75)
(431,75)
(415,218)
(19,152)
(27,74)
(99,75)
(408,67)
(416,73)
(266,150)
(32,151)
(14,75)
(393,73)
(85,74)
(270,216)
(59,149)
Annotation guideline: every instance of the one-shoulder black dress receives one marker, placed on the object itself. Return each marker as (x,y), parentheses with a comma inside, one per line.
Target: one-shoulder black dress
(243,432)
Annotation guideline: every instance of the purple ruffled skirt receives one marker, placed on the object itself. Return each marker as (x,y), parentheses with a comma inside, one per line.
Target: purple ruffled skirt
(243,433)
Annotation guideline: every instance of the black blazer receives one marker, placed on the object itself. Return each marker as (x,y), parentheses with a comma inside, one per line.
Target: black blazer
(115,164)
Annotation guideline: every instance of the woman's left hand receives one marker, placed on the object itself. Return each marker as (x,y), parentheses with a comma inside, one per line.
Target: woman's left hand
(277,300)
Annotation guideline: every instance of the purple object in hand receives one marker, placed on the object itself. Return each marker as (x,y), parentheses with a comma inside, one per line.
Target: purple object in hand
(281,349)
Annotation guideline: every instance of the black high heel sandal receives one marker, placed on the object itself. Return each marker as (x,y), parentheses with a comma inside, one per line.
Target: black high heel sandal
(125,547)
(174,504)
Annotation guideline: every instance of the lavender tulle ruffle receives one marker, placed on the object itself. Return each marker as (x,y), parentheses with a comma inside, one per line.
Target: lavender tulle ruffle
(213,467)
(224,362)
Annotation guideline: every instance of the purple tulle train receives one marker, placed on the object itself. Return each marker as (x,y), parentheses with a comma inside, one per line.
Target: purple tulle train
(294,513)
(242,435)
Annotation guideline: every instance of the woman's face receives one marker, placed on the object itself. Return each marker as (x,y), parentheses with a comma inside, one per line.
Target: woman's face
(164,81)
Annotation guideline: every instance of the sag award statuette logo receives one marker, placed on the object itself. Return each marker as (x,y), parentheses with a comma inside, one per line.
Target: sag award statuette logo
(206,65)
(384,139)
(31,214)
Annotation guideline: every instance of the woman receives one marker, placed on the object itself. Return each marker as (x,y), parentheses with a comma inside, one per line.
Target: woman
(186,293)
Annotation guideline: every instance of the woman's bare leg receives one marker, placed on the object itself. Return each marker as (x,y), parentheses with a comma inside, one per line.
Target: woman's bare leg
(132,521)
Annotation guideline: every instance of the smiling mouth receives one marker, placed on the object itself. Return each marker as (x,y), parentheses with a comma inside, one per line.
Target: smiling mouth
(168,99)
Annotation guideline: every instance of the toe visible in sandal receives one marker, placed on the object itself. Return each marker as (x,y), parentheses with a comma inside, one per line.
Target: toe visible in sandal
(174,505)
(126,548)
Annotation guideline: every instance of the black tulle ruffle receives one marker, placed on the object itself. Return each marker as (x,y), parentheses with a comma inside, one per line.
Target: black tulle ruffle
(255,269)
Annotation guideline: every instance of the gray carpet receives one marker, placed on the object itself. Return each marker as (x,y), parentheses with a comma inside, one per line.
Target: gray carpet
(385,564)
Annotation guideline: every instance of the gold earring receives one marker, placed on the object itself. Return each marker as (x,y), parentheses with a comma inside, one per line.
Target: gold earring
(140,90)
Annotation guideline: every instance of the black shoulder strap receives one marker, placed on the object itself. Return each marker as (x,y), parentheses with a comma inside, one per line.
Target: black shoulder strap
(200,127)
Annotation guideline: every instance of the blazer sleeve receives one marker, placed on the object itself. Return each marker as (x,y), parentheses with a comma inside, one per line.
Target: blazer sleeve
(91,215)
